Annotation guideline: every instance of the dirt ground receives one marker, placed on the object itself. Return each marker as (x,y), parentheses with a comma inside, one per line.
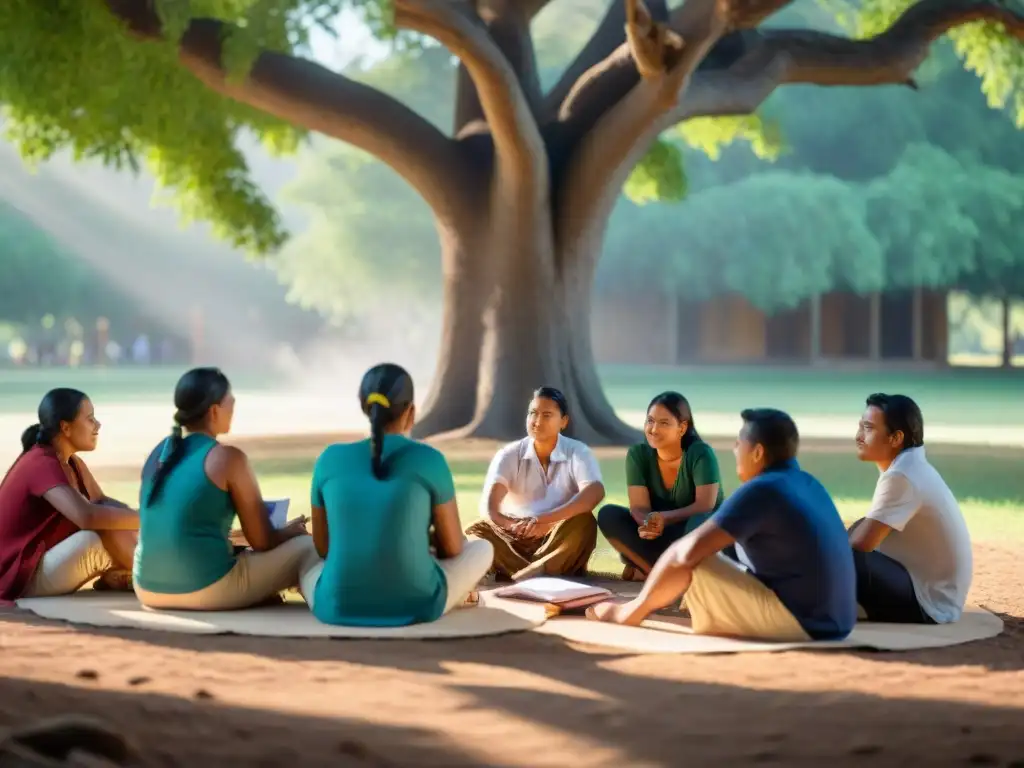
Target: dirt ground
(527,699)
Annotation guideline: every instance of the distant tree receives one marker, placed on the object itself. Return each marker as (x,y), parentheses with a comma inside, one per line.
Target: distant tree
(775,237)
(41,278)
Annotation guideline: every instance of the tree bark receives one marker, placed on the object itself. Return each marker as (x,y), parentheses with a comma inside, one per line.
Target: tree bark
(452,398)
(1007,335)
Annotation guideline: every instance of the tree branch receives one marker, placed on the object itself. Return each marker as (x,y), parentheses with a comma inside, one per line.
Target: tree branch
(777,57)
(508,24)
(608,152)
(312,97)
(517,139)
(607,40)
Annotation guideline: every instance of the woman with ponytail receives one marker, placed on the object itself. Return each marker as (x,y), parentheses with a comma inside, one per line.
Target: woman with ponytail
(673,483)
(58,530)
(374,503)
(192,489)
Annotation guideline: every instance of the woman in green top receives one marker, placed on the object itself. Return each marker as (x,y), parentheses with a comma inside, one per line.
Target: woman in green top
(374,504)
(673,484)
(192,489)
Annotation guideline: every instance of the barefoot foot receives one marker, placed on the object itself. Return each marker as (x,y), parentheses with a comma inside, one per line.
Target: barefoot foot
(615,613)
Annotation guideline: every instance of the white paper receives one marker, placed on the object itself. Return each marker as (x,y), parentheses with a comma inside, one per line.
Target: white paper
(551,590)
(278,511)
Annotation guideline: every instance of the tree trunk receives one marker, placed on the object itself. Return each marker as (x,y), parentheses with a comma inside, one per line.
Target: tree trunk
(453,393)
(1007,335)
(517,328)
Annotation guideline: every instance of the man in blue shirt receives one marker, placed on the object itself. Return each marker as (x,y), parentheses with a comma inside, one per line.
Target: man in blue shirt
(794,579)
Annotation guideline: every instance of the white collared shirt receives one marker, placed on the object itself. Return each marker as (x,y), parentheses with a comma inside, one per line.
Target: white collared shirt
(532,491)
(929,536)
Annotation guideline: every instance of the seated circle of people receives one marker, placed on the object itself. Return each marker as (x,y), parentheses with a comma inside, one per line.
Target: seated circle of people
(193,487)
(539,497)
(794,578)
(374,504)
(912,550)
(673,485)
(58,530)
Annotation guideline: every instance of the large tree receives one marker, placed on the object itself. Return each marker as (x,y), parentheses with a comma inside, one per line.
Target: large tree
(521,189)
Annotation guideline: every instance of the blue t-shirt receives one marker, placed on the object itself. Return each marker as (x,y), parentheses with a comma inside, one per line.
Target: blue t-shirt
(789,534)
(379,570)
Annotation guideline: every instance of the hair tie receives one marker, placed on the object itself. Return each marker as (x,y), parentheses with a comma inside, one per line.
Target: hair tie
(379,399)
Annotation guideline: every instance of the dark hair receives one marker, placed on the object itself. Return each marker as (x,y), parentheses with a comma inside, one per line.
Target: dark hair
(679,407)
(384,395)
(56,406)
(773,430)
(901,414)
(555,396)
(196,392)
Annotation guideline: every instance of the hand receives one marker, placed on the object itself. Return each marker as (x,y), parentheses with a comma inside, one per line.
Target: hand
(237,538)
(532,528)
(296,527)
(653,526)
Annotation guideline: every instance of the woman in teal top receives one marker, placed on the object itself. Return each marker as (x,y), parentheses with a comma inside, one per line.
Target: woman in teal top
(673,484)
(192,489)
(374,504)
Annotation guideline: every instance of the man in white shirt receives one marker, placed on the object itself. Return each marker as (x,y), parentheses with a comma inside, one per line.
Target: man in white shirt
(912,551)
(539,497)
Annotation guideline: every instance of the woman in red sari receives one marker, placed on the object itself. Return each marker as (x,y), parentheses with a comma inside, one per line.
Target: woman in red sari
(57,529)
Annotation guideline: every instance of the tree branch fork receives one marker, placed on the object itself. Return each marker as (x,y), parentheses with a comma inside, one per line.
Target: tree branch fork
(666,58)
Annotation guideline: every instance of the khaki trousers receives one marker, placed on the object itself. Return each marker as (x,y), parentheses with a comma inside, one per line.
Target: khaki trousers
(68,566)
(565,551)
(255,577)
(725,599)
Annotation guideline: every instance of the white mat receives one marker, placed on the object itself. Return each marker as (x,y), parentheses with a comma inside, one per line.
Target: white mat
(102,609)
(673,635)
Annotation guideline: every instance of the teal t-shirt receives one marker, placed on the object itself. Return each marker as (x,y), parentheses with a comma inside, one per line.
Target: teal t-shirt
(698,467)
(183,535)
(379,571)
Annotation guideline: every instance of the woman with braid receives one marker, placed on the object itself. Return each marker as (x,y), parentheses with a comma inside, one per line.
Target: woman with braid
(192,489)
(374,504)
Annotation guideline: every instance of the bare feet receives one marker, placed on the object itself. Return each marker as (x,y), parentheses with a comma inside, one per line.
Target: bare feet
(114,580)
(615,613)
(632,573)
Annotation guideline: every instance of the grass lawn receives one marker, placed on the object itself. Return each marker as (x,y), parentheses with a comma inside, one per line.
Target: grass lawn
(22,388)
(956,397)
(960,397)
(989,487)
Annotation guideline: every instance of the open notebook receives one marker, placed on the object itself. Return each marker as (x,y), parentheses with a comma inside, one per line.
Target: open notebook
(278,512)
(558,595)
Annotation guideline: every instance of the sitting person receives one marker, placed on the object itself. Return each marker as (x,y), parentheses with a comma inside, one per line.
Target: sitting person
(912,551)
(539,497)
(192,489)
(796,581)
(374,503)
(673,484)
(58,531)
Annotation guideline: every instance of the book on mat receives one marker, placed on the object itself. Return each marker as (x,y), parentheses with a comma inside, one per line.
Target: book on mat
(278,512)
(560,592)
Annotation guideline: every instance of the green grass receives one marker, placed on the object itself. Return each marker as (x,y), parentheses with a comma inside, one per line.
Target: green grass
(22,388)
(990,489)
(960,397)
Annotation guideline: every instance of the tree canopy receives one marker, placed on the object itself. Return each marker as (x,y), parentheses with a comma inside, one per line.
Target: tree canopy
(522,185)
